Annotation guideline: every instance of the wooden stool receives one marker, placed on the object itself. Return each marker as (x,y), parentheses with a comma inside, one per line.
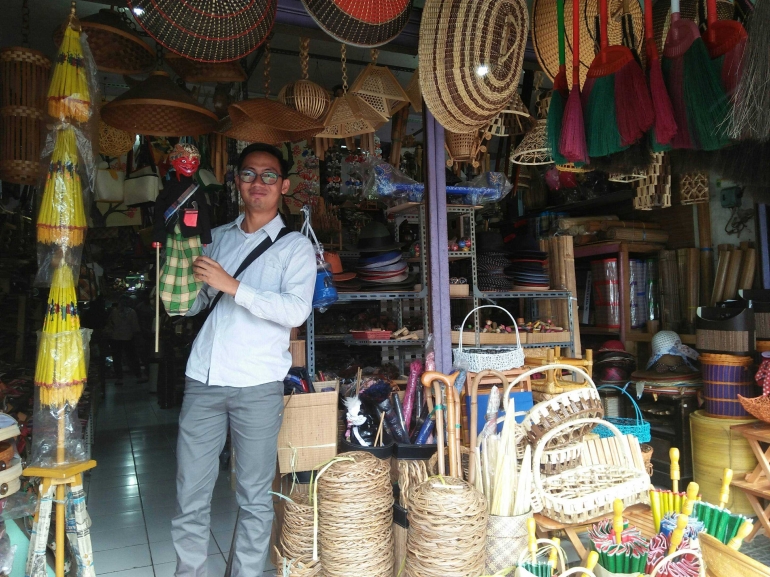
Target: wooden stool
(756,485)
(66,481)
(553,385)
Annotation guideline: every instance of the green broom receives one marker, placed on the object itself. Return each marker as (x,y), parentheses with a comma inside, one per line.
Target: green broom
(559,95)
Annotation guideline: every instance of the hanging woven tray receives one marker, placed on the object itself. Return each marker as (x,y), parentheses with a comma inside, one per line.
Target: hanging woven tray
(196,72)
(264,120)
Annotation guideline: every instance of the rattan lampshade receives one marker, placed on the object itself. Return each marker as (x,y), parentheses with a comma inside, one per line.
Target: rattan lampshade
(264,120)
(158,107)
(545,32)
(533,149)
(197,72)
(380,89)
(364,23)
(470,57)
(114,142)
(306,97)
(207,30)
(115,46)
(514,120)
(350,116)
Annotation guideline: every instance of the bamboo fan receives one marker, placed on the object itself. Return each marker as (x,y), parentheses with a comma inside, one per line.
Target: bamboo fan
(304,95)
(62,219)
(158,107)
(114,43)
(69,98)
(24,79)
(197,72)
(349,115)
(377,86)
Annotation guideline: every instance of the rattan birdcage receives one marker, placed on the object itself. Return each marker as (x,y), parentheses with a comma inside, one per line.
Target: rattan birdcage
(306,97)
(196,72)
(24,77)
(377,86)
(116,47)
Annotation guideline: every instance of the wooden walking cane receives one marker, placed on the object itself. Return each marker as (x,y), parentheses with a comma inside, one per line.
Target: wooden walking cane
(434,380)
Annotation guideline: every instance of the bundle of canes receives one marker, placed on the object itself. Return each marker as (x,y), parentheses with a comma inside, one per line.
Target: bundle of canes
(617,101)
(355,516)
(726,42)
(572,143)
(698,99)
(559,95)
(664,129)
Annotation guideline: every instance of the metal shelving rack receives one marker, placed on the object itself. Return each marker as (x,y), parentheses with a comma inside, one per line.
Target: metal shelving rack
(415,214)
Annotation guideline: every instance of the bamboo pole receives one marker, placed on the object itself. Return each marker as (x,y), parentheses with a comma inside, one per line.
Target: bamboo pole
(706,253)
(693,286)
(733,272)
(748,268)
(719,281)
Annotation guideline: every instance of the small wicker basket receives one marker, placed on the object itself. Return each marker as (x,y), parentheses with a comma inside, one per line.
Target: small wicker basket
(502,359)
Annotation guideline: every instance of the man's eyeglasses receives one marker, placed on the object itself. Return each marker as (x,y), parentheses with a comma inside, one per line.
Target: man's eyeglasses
(268,177)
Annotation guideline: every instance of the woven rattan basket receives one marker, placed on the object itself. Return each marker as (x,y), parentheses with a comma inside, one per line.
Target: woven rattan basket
(725,379)
(413,91)
(158,107)
(264,120)
(467,78)
(196,72)
(723,561)
(24,78)
(584,493)
(116,47)
(464,148)
(561,459)
(716,332)
(114,142)
(306,97)
(758,407)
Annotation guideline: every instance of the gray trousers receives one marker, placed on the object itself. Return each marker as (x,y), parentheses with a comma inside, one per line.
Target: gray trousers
(254,415)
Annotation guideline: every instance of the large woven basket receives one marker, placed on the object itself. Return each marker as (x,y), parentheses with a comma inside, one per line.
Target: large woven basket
(479,359)
(364,23)
(725,377)
(584,493)
(561,459)
(716,332)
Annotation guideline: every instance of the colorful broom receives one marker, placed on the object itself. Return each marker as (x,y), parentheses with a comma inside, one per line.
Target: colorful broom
(726,42)
(572,143)
(559,94)
(62,219)
(69,98)
(699,102)
(664,129)
(618,106)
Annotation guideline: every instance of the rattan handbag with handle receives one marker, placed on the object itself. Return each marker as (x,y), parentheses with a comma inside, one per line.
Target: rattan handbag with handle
(637,426)
(586,492)
(476,360)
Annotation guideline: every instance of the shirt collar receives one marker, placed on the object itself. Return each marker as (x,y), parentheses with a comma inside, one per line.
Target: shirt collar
(272,228)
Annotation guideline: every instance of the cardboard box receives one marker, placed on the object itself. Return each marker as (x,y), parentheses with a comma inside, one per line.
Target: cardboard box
(298,353)
(309,431)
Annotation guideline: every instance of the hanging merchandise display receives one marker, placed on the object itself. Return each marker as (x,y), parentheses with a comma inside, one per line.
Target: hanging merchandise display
(207,30)
(572,140)
(533,150)
(159,107)
(69,99)
(513,121)
(664,129)
(559,95)
(365,23)
(304,95)
(726,42)
(377,86)
(467,79)
(115,44)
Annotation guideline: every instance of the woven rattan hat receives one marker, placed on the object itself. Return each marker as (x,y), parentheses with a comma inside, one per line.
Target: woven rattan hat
(197,72)
(116,47)
(158,107)
(470,56)
(264,120)
(360,22)
(545,36)
(207,30)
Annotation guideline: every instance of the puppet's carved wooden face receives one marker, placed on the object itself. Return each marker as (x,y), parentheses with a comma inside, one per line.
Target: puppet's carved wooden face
(185,159)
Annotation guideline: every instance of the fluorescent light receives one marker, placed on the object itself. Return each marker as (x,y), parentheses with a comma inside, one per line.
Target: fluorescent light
(482,70)
(138,11)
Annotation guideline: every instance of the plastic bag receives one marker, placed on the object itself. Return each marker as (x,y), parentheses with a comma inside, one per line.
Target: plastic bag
(486,188)
(384,181)
(325,293)
(7,553)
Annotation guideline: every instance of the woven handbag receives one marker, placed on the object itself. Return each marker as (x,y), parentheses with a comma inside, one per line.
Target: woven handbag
(637,427)
(479,359)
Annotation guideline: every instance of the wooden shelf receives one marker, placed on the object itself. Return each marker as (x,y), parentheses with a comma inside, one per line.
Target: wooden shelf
(615,246)
(599,331)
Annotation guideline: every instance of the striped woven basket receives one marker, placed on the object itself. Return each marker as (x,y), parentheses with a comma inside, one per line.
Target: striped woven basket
(720,330)
(724,378)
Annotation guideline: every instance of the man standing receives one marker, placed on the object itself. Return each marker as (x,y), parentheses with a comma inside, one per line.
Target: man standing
(237,365)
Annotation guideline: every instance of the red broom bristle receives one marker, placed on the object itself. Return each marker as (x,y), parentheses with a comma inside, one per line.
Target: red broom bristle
(675,76)
(633,107)
(665,124)
(560,81)
(572,143)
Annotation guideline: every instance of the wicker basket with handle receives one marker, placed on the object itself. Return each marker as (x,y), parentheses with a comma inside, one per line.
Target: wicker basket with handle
(479,359)
(585,493)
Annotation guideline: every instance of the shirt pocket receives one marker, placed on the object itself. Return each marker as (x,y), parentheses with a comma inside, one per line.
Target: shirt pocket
(266,275)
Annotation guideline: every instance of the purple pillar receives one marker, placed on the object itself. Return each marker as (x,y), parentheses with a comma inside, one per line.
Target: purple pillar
(438,253)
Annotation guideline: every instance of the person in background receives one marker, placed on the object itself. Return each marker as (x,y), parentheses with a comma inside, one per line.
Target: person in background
(122,327)
(145,313)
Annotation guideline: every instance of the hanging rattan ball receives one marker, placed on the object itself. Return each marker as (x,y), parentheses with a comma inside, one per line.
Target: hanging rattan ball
(306,97)
(113,141)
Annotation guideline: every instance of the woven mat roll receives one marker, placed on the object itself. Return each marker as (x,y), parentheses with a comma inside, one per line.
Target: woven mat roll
(447,530)
(355,517)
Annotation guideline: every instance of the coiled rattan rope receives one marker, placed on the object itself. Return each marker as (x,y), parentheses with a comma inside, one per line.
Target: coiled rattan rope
(447,529)
(355,517)
(297,532)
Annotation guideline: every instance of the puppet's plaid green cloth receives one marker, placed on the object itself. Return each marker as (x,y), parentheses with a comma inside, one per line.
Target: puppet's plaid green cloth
(178,287)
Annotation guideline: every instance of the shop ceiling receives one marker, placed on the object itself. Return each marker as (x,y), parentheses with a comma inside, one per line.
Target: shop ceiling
(292,22)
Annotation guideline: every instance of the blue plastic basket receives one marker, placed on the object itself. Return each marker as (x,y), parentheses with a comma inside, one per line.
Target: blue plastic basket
(637,427)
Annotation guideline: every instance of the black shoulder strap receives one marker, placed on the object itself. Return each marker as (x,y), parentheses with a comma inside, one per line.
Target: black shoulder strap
(252,256)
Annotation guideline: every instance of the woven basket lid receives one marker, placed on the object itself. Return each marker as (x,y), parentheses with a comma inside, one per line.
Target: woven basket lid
(380,89)
(546,42)
(197,72)
(364,23)
(533,149)
(453,56)
(115,46)
(269,121)
(207,30)
(158,107)
(350,116)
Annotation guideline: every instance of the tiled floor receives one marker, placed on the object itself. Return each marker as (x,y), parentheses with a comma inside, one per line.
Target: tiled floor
(131,495)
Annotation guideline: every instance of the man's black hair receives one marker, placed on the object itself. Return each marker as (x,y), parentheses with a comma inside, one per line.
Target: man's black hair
(269,149)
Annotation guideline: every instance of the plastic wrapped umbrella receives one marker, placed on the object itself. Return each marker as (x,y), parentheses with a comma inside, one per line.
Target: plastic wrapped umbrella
(69,98)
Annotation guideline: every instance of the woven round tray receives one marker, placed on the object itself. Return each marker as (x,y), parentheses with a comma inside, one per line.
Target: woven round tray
(360,22)
(758,407)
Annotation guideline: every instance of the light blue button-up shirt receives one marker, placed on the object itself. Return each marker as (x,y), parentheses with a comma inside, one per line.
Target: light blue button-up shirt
(245,341)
